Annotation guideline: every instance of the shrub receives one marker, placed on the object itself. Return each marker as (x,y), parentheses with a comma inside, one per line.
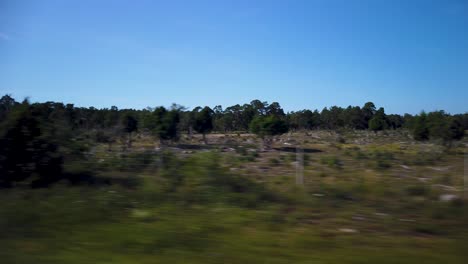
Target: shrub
(241,150)
(360,155)
(417,190)
(425,158)
(273,162)
(382,159)
(26,151)
(201,179)
(331,161)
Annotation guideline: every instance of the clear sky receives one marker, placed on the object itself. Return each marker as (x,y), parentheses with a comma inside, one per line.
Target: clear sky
(404,55)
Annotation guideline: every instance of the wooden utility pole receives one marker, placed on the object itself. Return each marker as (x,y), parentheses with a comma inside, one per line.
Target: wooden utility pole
(465,176)
(299,165)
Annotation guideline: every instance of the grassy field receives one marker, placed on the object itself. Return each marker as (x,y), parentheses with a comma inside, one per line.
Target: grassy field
(366,198)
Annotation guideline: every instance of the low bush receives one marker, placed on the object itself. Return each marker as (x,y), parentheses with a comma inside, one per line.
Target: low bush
(331,161)
(417,190)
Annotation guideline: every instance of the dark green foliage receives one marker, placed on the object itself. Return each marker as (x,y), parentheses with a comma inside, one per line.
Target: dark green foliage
(130,123)
(332,118)
(273,162)
(203,122)
(368,111)
(106,137)
(102,137)
(6,105)
(360,155)
(419,127)
(382,159)
(304,119)
(353,118)
(437,126)
(331,161)
(163,123)
(274,109)
(417,190)
(424,158)
(394,121)
(378,121)
(341,140)
(455,127)
(268,126)
(26,152)
(237,118)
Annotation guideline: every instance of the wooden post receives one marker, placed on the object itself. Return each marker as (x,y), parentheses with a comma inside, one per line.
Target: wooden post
(300,165)
(465,176)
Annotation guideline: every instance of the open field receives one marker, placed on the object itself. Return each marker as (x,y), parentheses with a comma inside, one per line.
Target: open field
(366,198)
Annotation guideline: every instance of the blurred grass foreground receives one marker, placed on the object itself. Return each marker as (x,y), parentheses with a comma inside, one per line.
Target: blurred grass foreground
(194,210)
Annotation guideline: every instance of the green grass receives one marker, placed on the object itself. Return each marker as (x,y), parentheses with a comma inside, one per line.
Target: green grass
(170,208)
(110,225)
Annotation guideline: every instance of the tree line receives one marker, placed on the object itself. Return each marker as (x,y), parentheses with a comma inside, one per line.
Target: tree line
(167,124)
(36,139)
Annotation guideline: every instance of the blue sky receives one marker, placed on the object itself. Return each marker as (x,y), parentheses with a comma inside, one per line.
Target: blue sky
(403,55)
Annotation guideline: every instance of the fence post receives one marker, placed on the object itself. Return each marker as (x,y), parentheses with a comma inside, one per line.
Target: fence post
(299,165)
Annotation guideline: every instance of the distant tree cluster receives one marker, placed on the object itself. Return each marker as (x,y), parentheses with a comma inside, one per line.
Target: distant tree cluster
(36,138)
(438,126)
(166,124)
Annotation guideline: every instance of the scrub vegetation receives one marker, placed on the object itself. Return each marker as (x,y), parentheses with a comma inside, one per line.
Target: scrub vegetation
(171,185)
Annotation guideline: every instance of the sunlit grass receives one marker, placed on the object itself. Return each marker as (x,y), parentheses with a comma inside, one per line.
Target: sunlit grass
(194,208)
